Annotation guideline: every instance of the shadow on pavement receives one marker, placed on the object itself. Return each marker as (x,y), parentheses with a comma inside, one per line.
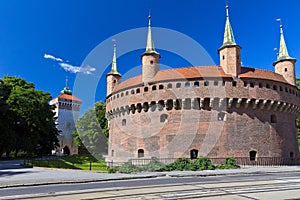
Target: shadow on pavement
(11,164)
(12,173)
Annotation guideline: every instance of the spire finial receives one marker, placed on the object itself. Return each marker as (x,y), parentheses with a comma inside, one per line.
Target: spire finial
(227,8)
(66,89)
(228,33)
(114,69)
(66,81)
(149,18)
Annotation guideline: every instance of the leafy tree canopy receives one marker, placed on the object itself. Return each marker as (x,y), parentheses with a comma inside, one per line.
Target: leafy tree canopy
(90,134)
(26,119)
(100,109)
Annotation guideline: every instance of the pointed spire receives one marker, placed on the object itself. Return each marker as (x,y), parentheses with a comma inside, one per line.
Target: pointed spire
(283,52)
(66,89)
(114,69)
(150,44)
(228,33)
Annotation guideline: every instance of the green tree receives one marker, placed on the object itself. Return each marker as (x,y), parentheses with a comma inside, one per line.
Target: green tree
(100,109)
(29,123)
(89,134)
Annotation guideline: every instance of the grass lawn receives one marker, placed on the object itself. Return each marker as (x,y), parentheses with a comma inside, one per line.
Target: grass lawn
(82,162)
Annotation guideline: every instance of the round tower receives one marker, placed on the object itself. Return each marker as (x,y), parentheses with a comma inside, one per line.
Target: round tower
(230,56)
(113,77)
(285,65)
(150,58)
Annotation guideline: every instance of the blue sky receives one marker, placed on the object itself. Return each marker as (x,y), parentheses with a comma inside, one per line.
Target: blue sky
(71,29)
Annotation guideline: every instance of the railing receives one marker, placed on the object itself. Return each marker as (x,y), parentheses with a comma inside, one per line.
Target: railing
(241,161)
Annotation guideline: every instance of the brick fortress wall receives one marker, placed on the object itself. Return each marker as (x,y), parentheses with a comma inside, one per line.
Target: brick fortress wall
(217,117)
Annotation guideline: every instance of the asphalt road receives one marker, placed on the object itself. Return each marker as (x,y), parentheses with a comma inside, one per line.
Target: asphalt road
(115,186)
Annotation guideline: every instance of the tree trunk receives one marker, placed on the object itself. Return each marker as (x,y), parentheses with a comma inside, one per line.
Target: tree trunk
(7,153)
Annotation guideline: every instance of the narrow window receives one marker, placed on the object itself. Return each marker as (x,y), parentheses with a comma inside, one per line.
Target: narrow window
(245,84)
(112,153)
(223,57)
(123,122)
(169,86)
(280,88)
(196,84)
(117,95)
(216,83)
(178,85)
(122,94)
(151,62)
(252,84)
(252,155)
(187,85)
(260,85)
(140,153)
(194,154)
(268,85)
(154,87)
(234,83)
(291,154)
(273,119)
(145,89)
(223,83)
(274,87)
(285,69)
(132,91)
(115,82)
(221,116)
(206,83)
(138,90)
(164,118)
(161,87)
(126,93)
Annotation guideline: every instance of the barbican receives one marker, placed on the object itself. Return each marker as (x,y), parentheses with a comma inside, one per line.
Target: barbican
(215,111)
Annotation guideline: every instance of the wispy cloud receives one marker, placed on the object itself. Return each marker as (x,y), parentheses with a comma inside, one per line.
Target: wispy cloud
(76,69)
(86,69)
(48,56)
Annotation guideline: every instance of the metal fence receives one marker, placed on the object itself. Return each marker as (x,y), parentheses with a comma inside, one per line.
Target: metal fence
(241,161)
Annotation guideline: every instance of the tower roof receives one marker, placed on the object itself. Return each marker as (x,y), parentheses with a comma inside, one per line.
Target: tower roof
(114,69)
(228,39)
(150,44)
(66,89)
(283,52)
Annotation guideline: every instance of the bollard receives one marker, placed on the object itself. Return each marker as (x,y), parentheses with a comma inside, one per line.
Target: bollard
(90,165)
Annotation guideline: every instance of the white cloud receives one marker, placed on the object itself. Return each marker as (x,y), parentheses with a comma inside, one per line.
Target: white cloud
(86,69)
(75,69)
(48,56)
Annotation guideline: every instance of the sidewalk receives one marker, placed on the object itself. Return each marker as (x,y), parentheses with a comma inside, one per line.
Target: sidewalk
(41,176)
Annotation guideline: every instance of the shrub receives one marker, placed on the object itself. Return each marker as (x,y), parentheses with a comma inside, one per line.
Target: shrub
(153,166)
(230,163)
(180,164)
(128,168)
(203,163)
(112,170)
